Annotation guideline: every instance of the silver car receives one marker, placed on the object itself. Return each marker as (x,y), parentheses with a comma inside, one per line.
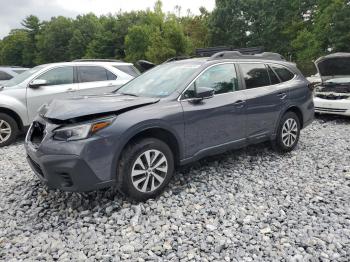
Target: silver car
(23,95)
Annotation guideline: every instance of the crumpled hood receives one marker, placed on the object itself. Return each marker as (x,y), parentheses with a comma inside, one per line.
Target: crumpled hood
(333,66)
(85,106)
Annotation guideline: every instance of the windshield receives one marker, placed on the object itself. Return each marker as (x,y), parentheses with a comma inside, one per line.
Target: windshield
(160,81)
(21,77)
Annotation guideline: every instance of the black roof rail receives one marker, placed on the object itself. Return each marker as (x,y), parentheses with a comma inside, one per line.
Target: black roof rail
(96,60)
(239,55)
(209,51)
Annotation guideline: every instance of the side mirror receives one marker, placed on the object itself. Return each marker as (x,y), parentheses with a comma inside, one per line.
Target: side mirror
(204,93)
(36,83)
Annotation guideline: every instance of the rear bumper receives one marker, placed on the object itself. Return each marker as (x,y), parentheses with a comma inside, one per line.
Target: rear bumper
(335,107)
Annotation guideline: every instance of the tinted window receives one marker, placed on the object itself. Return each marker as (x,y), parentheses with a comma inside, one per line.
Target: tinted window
(111,76)
(58,76)
(222,78)
(255,75)
(92,74)
(128,69)
(273,77)
(283,73)
(4,76)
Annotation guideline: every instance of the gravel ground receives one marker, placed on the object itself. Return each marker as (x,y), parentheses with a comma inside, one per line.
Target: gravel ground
(248,205)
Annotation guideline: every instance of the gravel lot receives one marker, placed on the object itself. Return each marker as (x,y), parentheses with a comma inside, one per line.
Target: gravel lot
(247,205)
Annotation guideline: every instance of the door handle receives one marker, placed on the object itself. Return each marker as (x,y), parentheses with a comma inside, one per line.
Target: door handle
(239,103)
(282,95)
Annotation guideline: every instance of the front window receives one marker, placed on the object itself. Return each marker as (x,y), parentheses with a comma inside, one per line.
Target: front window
(160,81)
(222,78)
(22,77)
(58,76)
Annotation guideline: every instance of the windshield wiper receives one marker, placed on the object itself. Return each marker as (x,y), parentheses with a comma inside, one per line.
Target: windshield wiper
(128,94)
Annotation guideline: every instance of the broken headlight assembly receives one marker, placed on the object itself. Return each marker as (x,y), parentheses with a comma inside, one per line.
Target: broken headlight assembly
(81,131)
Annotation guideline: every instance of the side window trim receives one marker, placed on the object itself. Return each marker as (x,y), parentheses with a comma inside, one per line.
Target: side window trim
(268,66)
(181,98)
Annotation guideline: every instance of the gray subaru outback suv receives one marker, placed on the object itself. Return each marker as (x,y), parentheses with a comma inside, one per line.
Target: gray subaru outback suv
(174,114)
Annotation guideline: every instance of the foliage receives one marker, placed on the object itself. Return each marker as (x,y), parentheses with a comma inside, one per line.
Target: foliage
(301,30)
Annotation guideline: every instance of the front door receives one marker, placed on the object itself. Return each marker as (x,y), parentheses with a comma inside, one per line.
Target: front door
(59,84)
(217,121)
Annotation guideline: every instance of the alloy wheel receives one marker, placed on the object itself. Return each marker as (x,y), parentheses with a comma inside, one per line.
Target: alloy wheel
(149,171)
(5,131)
(289,132)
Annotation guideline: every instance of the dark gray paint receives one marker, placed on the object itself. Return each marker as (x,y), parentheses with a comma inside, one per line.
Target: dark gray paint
(225,121)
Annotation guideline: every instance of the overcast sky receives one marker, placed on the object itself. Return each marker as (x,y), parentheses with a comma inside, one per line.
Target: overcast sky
(14,11)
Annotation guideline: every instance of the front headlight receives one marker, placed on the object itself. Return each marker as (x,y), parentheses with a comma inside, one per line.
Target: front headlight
(82,131)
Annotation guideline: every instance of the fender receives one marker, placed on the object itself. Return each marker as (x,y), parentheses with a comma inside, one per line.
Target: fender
(141,127)
(15,105)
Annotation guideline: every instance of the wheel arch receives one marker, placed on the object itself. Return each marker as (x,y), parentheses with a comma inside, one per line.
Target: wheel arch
(14,115)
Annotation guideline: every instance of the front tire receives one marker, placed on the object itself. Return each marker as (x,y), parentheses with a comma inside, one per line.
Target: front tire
(145,168)
(8,130)
(288,133)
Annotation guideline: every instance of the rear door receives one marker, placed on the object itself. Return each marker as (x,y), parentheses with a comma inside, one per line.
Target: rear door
(217,121)
(60,84)
(94,80)
(265,99)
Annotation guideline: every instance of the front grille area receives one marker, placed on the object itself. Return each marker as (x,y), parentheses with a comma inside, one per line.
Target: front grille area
(36,166)
(332,97)
(331,110)
(37,133)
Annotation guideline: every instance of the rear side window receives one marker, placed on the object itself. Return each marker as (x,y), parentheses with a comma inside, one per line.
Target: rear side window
(283,73)
(58,76)
(128,69)
(92,74)
(4,76)
(273,77)
(255,75)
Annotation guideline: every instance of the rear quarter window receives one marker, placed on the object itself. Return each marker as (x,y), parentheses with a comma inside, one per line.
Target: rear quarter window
(283,73)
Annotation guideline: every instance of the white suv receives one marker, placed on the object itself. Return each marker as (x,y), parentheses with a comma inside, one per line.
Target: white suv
(23,95)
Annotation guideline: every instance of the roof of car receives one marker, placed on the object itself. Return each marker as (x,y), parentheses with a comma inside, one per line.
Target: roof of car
(88,63)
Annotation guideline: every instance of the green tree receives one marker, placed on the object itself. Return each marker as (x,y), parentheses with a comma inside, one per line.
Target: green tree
(53,40)
(13,48)
(31,25)
(228,24)
(85,29)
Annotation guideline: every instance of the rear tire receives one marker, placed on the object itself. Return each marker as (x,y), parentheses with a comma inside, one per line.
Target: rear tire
(145,168)
(288,133)
(8,130)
